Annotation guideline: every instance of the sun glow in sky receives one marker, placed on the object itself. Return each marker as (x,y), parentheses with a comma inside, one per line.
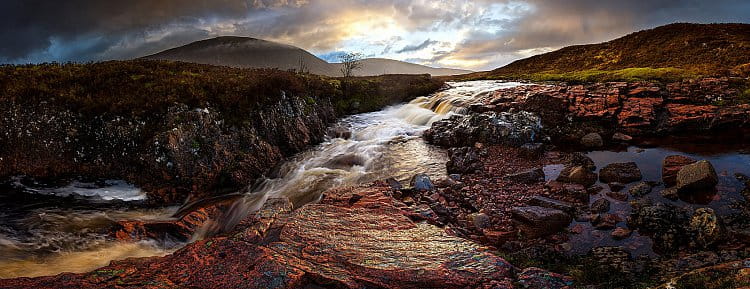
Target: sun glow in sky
(477,35)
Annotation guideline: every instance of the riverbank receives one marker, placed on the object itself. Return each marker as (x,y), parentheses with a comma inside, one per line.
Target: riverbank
(176,130)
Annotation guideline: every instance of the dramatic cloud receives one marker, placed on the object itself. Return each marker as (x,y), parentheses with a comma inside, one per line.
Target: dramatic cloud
(481,34)
(419,47)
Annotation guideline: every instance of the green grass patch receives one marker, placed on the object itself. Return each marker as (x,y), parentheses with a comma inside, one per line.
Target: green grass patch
(587,76)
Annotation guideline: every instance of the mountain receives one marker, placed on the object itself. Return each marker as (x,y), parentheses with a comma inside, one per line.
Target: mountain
(245,52)
(698,49)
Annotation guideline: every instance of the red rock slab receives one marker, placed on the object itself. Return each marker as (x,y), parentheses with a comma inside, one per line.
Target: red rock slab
(344,242)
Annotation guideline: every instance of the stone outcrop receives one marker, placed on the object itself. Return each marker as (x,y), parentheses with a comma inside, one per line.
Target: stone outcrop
(353,238)
(570,112)
(514,129)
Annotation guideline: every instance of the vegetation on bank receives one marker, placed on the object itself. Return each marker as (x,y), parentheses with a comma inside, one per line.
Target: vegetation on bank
(666,74)
(145,87)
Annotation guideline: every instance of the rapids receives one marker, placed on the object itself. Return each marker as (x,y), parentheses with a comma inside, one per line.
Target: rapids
(59,228)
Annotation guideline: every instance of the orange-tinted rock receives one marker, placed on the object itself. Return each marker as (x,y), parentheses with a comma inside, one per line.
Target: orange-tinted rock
(671,165)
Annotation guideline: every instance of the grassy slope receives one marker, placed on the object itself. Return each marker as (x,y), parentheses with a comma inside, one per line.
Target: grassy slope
(666,53)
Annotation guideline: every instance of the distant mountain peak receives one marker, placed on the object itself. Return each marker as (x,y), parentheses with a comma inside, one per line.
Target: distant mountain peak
(248,52)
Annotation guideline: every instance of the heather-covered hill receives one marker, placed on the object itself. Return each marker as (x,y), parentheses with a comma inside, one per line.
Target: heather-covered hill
(664,53)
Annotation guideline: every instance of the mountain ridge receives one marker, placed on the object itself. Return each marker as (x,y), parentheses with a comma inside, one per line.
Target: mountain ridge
(248,52)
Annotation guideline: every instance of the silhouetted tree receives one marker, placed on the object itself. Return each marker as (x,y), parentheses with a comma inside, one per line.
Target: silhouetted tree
(350,62)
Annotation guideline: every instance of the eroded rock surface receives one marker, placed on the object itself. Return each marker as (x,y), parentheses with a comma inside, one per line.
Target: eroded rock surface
(353,238)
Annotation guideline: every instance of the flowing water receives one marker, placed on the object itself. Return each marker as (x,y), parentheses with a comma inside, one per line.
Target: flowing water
(47,229)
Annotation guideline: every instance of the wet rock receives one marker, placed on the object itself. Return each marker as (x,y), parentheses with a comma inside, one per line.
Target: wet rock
(421,182)
(527,177)
(605,221)
(552,204)
(577,175)
(532,150)
(639,190)
(620,173)
(568,191)
(620,233)
(617,196)
(621,137)
(592,140)
(514,129)
(615,186)
(538,221)
(463,160)
(671,166)
(339,132)
(665,223)
(537,278)
(706,227)
(600,206)
(697,176)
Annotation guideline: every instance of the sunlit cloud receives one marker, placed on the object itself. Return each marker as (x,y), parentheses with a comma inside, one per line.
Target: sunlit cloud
(477,35)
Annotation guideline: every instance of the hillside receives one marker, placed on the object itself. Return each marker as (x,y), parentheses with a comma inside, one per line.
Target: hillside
(670,51)
(245,52)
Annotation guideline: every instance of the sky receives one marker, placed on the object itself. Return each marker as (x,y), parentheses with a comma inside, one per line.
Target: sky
(476,35)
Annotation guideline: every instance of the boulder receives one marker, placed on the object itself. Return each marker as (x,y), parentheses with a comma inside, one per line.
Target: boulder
(639,190)
(527,177)
(592,140)
(617,196)
(581,159)
(667,224)
(620,173)
(670,193)
(706,228)
(697,176)
(539,221)
(479,220)
(463,160)
(568,191)
(600,206)
(577,175)
(421,182)
(671,166)
(615,186)
(507,128)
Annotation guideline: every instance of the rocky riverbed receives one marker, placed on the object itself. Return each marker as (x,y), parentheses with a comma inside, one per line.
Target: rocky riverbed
(545,186)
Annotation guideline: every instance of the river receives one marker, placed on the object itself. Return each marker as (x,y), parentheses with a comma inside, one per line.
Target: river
(46,229)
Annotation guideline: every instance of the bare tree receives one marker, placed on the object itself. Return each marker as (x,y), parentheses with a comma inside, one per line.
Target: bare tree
(350,62)
(303,65)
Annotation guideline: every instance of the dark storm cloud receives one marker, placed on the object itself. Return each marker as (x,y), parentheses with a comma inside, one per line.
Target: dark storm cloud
(41,30)
(417,47)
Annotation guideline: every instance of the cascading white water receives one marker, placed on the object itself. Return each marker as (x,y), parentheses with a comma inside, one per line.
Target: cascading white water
(383,144)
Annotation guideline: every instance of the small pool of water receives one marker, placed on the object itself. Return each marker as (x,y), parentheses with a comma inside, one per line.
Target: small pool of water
(727,160)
